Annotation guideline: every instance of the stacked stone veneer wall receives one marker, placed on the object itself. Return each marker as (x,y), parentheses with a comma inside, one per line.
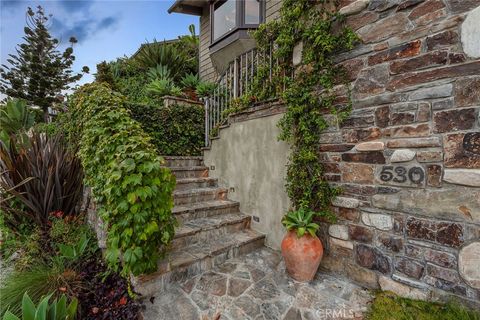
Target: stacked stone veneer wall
(408,158)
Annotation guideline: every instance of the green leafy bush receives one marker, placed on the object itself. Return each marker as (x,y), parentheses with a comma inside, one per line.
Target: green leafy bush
(132,190)
(56,310)
(23,245)
(76,251)
(177,130)
(133,87)
(69,230)
(50,129)
(43,175)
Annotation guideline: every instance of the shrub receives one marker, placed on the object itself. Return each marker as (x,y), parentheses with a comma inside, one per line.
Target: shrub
(133,191)
(133,87)
(69,230)
(57,310)
(177,130)
(104,73)
(43,175)
(50,129)
(38,282)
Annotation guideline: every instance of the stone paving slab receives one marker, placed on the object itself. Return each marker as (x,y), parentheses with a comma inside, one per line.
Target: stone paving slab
(256,287)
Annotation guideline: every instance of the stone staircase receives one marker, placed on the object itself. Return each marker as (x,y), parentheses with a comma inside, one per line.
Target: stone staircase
(211,228)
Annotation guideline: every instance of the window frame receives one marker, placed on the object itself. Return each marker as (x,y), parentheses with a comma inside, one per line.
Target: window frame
(239,19)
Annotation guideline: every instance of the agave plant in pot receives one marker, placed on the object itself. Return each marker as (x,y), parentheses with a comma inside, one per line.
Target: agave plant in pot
(302,250)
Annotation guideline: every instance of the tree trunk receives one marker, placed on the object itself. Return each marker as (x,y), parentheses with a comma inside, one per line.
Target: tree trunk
(45,114)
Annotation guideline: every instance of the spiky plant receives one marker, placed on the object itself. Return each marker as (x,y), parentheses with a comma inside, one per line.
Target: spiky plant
(205,89)
(43,175)
(159,72)
(38,282)
(190,81)
(161,53)
(15,117)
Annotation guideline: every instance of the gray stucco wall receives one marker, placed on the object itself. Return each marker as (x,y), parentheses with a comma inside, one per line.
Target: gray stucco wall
(249,158)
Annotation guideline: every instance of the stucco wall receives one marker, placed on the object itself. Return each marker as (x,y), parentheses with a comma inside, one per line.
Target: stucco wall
(249,159)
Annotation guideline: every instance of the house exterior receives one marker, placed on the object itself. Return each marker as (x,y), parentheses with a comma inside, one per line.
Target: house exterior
(407,158)
(224,38)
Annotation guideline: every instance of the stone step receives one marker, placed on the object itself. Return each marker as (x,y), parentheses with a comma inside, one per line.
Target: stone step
(183,161)
(187,262)
(199,195)
(194,183)
(207,229)
(189,172)
(204,209)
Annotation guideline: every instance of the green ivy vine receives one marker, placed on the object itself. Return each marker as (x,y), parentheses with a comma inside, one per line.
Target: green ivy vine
(133,192)
(308,90)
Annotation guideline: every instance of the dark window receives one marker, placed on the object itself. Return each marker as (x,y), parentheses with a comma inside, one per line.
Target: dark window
(224,18)
(252,11)
(230,15)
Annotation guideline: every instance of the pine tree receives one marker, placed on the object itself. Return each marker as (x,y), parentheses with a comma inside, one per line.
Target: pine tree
(38,72)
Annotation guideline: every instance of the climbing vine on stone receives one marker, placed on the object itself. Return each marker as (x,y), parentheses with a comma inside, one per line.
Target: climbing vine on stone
(133,192)
(308,90)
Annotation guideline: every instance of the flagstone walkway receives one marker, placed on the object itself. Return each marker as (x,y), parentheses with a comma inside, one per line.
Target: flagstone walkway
(257,287)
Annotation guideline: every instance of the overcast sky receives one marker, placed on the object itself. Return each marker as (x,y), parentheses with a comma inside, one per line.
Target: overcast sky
(104,29)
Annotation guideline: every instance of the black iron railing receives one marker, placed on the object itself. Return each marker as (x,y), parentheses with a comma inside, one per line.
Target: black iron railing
(235,81)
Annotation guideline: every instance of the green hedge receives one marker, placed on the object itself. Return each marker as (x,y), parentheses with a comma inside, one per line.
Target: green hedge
(176,130)
(133,192)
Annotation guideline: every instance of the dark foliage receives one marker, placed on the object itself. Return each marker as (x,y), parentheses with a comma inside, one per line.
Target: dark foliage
(38,72)
(175,130)
(43,175)
(105,298)
(105,73)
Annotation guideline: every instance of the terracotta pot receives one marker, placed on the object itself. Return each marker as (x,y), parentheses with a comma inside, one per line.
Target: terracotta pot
(302,255)
(191,94)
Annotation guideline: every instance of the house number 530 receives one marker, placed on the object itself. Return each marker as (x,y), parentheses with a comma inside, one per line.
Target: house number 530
(400,174)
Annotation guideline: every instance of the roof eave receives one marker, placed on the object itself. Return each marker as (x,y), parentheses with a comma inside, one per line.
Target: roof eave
(179,6)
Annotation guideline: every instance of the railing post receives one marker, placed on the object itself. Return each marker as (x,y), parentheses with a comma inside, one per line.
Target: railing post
(207,122)
(235,78)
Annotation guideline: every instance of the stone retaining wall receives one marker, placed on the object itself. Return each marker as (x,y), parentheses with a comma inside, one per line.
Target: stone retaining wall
(408,159)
